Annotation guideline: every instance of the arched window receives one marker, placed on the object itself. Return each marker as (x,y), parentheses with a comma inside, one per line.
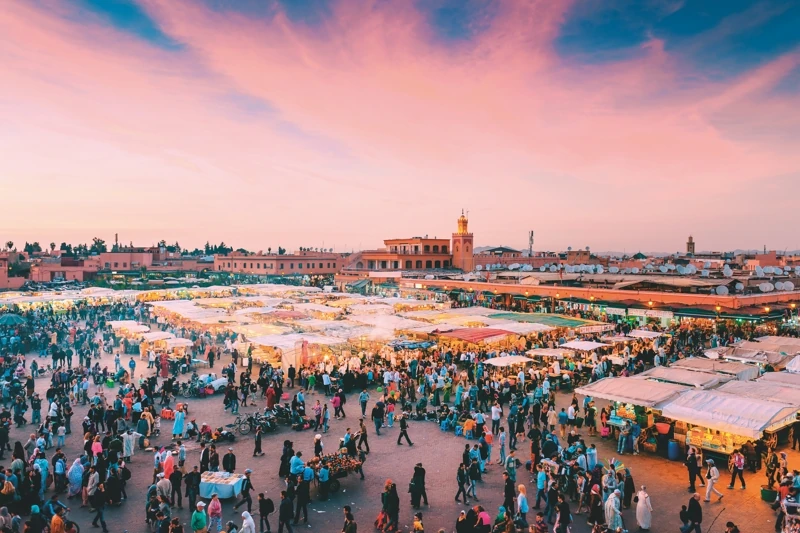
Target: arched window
(436,248)
(444,249)
(467,248)
(428,264)
(437,264)
(426,248)
(419,264)
(258,265)
(359,265)
(456,248)
(408,264)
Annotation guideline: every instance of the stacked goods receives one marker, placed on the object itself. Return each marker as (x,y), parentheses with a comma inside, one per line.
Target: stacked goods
(340,463)
(220,478)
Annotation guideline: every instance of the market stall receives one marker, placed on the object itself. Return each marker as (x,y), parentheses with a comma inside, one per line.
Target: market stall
(740,371)
(681,376)
(224,484)
(339,465)
(720,422)
(787,379)
(547,353)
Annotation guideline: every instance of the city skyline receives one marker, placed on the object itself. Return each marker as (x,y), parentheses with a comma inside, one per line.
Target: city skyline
(288,124)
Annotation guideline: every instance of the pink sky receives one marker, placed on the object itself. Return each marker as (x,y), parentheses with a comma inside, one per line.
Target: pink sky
(368,128)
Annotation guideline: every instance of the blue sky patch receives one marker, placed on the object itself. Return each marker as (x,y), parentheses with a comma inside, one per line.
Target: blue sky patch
(130,17)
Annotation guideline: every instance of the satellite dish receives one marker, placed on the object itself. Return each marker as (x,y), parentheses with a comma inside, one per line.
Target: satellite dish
(430,276)
(788,286)
(568,269)
(599,269)
(613,270)
(770,287)
(759,271)
(707,264)
(722,290)
(663,269)
(727,272)
(740,287)
(779,286)
(671,267)
(542,268)
(569,248)
(681,270)
(704,273)
(553,269)
(479,268)
(797,270)
(767,270)
(691,269)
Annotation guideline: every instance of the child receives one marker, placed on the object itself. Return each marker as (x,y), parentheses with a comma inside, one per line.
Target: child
(418,527)
(390,413)
(684,516)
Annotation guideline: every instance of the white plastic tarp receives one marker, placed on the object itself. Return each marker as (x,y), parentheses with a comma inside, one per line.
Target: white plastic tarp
(764,390)
(721,411)
(644,334)
(292,340)
(682,376)
(585,346)
(508,360)
(547,352)
(634,391)
(742,371)
(178,343)
(122,324)
(157,336)
(794,365)
(783,378)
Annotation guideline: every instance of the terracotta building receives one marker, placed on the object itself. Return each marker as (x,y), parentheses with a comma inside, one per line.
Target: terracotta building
(303,262)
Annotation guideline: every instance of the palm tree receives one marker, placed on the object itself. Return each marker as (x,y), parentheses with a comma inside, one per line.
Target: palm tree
(52,246)
(10,245)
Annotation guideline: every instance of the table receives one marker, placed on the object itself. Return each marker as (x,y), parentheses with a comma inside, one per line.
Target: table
(224,484)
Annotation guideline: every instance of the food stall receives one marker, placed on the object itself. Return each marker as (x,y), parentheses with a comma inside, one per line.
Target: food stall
(740,371)
(503,367)
(635,399)
(224,484)
(149,341)
(719,422)
(339,466)
(766,390)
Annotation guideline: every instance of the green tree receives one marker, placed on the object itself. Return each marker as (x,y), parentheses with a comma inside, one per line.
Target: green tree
(98,246)
(52,246)
(9,245)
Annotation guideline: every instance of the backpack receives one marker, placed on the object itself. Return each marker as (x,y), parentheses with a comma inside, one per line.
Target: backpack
(269,506)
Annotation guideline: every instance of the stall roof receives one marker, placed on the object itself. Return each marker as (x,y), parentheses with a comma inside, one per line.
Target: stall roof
(293,340)
(476,335)
(681,376)
(783,378)
(157,336)
(556,321)
(644,334)
(774,339)
(176,343)
(635,391)
(793,365)
(508,360)
(742,371)
(764,390)
(585,346)
(548,352)
(721,411)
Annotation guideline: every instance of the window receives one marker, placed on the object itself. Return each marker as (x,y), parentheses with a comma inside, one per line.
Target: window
(446,264)
(291,266)
(416,248)
(359,265)
(334,265)
(383,265)
(427,248)
(308,265)
(466,249)
(371,265)
(395,264)
(234,265)
(251,265)
(108,265)
(437,264)
(116,265)
(329,265)
(300,266)
(444,249)
(456,248)
(428,264)
(418,264)
(281,266)
(258,265)
(436,248)
(124,265)
(408,264)
(219,267)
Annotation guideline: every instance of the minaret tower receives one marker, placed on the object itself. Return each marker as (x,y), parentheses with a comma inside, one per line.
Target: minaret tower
(462,246)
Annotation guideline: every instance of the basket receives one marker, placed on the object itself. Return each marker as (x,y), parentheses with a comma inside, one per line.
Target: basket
(649,446)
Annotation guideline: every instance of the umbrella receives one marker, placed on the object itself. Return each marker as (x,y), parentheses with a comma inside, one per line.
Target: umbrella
(11,319)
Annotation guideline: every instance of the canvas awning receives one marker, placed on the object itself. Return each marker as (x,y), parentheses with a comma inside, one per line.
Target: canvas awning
(681,376)
(585,346)
(476,335)
(721,411)
(742,371)
(634,391)
(508,360)
(644,334)
(764,390)
(547,352)
(157,336)
(782,378)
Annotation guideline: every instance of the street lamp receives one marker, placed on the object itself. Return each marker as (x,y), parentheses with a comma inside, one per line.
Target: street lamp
(650,303)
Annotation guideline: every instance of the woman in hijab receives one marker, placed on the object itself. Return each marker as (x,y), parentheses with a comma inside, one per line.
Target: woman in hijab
(75,477)
(19,451)
(248,524)
(596,515)
(609,484)
(501,515)
(630,489)
(5,516)
(37,521)
(644,510)
(613,516)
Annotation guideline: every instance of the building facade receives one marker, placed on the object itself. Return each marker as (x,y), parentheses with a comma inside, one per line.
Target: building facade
(302,262)
(463,246)
(415,253)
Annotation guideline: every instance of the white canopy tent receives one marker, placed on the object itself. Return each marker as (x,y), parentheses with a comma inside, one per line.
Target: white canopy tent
(788,379)
(508,360)
(721,411)
(157,336)
(548,352)
(584,346)
(742,371)
(122,324)
(793,365)
(764,390)
(682,376)
(521,328)
(634,391)
(178,343)
(644,334)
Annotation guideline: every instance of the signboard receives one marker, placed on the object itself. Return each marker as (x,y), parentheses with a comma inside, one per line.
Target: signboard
(596,329)
(616,311)
(651,313)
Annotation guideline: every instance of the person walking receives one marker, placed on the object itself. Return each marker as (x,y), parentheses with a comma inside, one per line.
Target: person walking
(712,476)
(738,469)
(644,509)
(363,398)
(694,515)
(199,522)
(508,493)
(362,435)
(257,444)
(265,508)
(247,487)
(403,431)
(285,513)
(462,478)
(418,482)
(99,502)
(693,468)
